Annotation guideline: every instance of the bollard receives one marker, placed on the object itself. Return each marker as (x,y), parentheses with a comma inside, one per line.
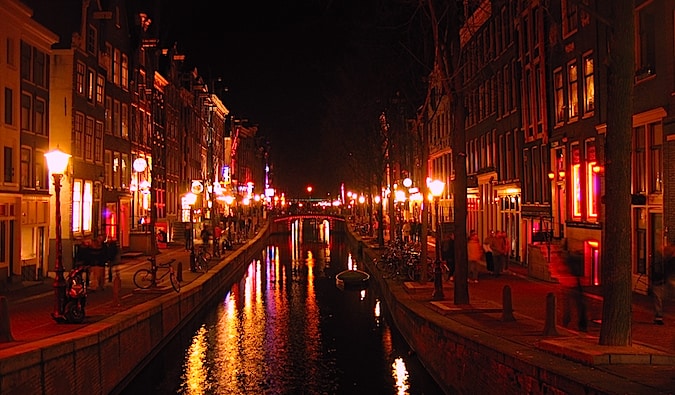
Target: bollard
(179,271)
(5,330)
(117,287)
(507,305)
(550,326)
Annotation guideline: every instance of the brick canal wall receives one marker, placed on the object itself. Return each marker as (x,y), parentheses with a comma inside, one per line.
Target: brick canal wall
(101,357)
(463,359)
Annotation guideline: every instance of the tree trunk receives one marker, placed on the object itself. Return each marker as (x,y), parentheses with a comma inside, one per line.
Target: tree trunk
(616,267)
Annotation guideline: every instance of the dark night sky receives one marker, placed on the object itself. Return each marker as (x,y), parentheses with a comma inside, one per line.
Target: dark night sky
(280,61)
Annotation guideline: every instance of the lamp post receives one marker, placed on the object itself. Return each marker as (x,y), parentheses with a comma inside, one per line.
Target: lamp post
(437,187)
(57,161)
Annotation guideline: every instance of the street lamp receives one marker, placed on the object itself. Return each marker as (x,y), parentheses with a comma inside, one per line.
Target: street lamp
(437,187)
(57,161)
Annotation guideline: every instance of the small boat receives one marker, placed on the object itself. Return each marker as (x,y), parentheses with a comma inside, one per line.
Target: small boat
(354,279)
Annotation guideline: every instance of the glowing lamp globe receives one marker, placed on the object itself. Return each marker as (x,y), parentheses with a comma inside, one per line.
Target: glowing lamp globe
(57,161)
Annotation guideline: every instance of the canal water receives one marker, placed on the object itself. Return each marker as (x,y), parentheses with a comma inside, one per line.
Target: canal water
(286,328)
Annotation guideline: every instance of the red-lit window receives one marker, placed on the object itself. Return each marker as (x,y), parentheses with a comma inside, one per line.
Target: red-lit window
(575,178)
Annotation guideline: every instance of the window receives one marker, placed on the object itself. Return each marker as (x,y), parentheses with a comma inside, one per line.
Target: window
(78,135)
(100,83)
(592,182)
(39,69)
(655,157)
(124,167)
(116,66)
(125,121)
(9,164)
(572,90)
(108,115)
(79,78)
(87,206)
(107,165)
(91,39)
(570,17)
(25,168)
(91,77)
(26,112)
(589,85)
(89,139)
(9,106)
(26,61)
(40,174)
(77,205)
(116,118)
(645,42)
(108,61)
(39,119)
(559,96)
(577,196)
(98,142)
(125,72)
(639,161)
(10,52)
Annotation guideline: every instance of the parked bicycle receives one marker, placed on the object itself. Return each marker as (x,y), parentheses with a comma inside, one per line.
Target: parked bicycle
(202,259)
(147,278)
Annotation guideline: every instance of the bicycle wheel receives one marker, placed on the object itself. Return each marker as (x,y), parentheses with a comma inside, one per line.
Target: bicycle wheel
(174,281)
(206,255)
(202,264)
(143,278)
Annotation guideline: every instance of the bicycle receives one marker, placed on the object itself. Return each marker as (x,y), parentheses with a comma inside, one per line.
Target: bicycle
(202,259)
(146,278)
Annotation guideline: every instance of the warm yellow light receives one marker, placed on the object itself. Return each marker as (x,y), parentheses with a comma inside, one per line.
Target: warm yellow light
(400,195)
(551,175)
(436,187)
(407,182)
(309,189)
(140,164)
(229,199)
(57,161)
(377,199)
(190,198)
(362,199)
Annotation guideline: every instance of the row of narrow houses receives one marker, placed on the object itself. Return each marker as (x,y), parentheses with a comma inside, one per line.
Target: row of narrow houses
(142,128)
(535,99)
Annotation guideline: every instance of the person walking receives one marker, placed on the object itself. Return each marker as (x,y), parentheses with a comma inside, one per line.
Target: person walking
(448,252)
(658,277)
(405,230)
(489,258)
(498,247)
(475,254)
(569,271)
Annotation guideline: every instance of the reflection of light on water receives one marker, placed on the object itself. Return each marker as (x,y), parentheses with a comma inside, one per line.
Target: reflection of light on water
(363,294)
(196,374)
(378,311)
(350,263)
(400,375)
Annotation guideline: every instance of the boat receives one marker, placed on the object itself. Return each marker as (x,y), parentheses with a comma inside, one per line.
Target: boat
(353,279)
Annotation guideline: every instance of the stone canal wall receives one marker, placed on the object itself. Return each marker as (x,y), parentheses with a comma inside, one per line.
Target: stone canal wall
(467,360)
(102,356)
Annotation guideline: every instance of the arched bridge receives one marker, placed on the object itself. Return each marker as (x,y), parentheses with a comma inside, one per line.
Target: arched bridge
(282,223)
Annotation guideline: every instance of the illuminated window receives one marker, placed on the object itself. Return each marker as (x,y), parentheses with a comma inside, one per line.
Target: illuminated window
(87,206)
(79,78)
(592,190)
(589,85)
(573,90)
(77,205)
(655,131)
(559,96)
(576,185)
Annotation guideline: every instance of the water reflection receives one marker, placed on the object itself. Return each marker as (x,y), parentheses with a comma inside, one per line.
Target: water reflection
(285,328)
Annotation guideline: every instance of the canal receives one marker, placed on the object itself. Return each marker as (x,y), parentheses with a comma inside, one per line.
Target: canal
(286,328)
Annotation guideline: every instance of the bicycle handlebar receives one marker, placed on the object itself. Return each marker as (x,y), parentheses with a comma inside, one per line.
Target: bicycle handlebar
(165,264)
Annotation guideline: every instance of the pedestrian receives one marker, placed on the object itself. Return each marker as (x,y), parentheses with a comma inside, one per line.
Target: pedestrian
(489,258)
(448,252)
(188,236)
(217,233)
(507,251)
(405,230)
(658,277)
(569,271)
(205,235)
(475,255)
(498,248)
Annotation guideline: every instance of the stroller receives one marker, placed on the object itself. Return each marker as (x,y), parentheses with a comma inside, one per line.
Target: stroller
(76,294)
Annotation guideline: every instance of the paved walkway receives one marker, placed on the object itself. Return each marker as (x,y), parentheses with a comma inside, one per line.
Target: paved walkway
(30,306)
